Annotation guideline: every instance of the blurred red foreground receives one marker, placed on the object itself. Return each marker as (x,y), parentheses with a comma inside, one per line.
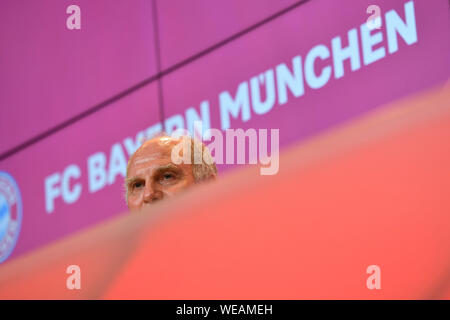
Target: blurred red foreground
(375,191)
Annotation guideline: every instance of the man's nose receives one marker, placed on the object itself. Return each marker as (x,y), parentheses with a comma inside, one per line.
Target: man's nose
(151,193)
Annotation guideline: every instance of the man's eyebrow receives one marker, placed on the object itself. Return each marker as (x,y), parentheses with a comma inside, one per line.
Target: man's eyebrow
(166,167)
(131,180)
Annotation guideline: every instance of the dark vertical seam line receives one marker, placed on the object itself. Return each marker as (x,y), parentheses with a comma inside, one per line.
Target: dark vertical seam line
(158,62)
(160,74)
(231,38)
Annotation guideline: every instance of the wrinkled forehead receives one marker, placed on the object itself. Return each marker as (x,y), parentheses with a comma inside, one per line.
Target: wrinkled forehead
(151,153)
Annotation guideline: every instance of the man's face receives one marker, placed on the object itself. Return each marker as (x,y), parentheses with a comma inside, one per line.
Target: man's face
(152,175)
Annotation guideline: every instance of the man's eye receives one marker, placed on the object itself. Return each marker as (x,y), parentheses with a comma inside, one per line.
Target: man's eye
(137,185)
(168,176)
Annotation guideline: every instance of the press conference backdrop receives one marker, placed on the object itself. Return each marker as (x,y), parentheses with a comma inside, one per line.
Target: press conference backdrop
(75,104)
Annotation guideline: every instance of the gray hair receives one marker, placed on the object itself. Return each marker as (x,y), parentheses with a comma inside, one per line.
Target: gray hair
(202,171)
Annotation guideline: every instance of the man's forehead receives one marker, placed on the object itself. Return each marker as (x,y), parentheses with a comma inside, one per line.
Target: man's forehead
(156,146)
(157,151)
(143,163)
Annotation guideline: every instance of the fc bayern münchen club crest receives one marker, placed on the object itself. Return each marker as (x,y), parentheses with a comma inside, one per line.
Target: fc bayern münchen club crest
(10,214)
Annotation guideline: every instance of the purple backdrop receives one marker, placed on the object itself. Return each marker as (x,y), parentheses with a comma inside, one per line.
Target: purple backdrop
(72,177)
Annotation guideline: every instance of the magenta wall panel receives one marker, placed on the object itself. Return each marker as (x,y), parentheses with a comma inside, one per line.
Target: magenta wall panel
(413,67)
(91,156)
(292,73)
(188,27)
(50,73)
